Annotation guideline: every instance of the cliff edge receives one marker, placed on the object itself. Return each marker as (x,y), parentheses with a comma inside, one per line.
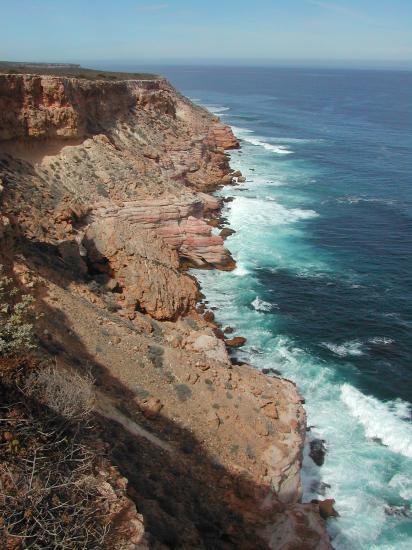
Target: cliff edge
(105,202)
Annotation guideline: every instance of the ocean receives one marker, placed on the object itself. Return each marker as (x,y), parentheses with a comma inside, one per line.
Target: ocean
(322,289)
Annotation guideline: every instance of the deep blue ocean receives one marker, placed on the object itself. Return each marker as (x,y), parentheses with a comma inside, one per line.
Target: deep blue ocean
(323,287)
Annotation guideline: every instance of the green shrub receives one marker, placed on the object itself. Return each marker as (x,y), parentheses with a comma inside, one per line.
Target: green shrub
(16,319)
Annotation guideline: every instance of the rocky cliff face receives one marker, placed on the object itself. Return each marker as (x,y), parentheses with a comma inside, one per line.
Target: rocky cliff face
(105,204)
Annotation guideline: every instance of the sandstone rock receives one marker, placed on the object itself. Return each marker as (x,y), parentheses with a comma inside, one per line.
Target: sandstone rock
(241,179)
(222,136)
(326,509)
(209,316)
(226,232)
(270,410)
(235,342)
(227,179)
(142,267)
(211,346)
(151,153)
(151,407)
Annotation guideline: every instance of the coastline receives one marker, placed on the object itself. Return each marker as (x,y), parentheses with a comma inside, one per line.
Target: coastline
(120,240)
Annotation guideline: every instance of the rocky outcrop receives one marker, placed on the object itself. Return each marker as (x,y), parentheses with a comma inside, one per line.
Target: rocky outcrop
(222,136)
(107,186)
(36,107)
(142,267)
(179,222)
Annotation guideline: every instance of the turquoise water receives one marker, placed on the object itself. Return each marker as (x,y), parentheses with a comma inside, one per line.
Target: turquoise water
(322,290)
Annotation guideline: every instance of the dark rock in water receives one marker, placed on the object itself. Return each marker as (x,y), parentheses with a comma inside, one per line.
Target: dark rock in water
(379,441)
(326,509)
(317,451)
(272,371)
(403,511)
(228,330)
(228,199)
(226,232)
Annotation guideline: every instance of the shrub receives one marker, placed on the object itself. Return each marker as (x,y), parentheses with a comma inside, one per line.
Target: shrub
(49,497)
(16,321)
(67,393)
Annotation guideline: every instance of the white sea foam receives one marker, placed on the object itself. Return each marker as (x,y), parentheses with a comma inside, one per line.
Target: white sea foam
(246,135)
(385,421)
(357,200)
(352,347)
(265,212)
(403,485)
(240,271)
(380,340)
(215,109)
(261,305)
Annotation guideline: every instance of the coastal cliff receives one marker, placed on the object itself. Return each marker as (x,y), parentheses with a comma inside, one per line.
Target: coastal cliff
(105,204)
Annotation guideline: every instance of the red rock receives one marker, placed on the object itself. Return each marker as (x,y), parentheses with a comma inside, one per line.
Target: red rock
(270,410)
(326,509)
(235,342)
(209,316)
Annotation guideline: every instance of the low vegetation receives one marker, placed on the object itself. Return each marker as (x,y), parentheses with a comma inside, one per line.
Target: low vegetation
(16,319)
(50,497)
(70,71)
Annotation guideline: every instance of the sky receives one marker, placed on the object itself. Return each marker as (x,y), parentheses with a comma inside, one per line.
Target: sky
(241,31)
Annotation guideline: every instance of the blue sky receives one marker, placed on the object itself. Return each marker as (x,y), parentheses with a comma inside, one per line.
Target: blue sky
(244,30)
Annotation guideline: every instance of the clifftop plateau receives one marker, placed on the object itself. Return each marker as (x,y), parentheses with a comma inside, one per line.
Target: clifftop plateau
(105,189)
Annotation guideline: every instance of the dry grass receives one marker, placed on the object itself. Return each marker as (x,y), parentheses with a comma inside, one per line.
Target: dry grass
(67,393)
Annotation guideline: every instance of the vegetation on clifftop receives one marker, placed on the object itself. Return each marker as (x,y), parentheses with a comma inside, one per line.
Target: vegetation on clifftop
(70,71)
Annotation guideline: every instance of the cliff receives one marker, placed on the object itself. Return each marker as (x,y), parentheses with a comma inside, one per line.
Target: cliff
(105,204)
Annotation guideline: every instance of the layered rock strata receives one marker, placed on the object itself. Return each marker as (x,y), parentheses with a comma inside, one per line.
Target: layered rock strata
(106,196)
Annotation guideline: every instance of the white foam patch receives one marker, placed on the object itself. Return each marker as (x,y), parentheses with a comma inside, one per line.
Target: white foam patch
(403,485)
(381,340)
(352,347)
(246,135)
(265,212)
(215,109)
(261,305)
(357,200)
(240,271)
(385,421)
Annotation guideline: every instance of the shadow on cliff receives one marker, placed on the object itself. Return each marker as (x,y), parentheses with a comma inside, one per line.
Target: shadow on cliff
(187,498)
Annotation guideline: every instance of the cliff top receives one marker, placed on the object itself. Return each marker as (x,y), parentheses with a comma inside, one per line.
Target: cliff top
(69,70)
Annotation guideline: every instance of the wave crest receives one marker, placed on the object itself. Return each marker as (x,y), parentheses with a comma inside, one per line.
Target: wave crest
(261,305)
(389,422)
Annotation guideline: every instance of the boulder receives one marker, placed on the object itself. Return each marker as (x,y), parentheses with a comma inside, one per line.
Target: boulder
(317,451)
(226,232)
(235,342)
(326,509)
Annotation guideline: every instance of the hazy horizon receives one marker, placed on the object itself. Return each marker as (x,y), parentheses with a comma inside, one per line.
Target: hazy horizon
(350,33)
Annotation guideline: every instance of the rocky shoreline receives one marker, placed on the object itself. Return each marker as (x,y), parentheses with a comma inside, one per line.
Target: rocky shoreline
(105,202)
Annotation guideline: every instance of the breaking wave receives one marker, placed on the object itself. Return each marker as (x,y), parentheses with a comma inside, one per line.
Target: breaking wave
(352,347)
(389,422)
(261,305)
(246,135)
